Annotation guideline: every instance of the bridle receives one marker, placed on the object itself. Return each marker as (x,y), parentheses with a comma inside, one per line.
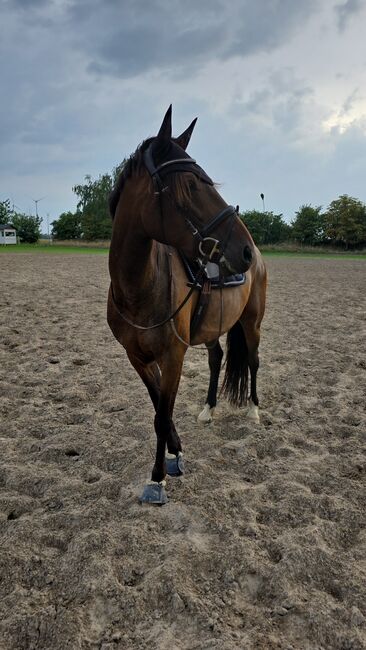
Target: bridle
(216,253)
(202,235)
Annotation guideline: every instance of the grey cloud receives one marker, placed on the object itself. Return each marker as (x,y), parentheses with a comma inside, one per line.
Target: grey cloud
(118,56)
(280,102)
(345,11)
(28,5)
(126,39)
(350,101)
(265,25)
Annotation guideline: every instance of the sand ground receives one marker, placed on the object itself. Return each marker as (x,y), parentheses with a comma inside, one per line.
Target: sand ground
(262,543)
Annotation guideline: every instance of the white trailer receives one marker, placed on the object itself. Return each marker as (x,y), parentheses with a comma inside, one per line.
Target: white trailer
(8,234)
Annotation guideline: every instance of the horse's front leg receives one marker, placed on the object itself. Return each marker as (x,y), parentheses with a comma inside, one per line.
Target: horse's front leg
(166,435)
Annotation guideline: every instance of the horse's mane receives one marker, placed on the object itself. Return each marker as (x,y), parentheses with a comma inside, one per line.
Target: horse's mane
(134,166)
(131,167)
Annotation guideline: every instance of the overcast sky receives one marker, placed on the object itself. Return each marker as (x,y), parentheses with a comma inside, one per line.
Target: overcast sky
(279,87)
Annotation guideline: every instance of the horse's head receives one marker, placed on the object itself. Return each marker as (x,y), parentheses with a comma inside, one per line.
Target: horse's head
(188,212)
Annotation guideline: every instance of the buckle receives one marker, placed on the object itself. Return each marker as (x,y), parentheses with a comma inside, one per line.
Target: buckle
(214,248)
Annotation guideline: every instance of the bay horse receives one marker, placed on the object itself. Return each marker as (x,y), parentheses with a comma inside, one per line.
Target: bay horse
(165,208)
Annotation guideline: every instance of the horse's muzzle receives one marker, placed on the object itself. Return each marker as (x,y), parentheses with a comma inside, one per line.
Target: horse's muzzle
(247,257)
(241,263)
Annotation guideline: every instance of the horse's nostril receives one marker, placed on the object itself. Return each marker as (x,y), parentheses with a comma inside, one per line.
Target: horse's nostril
(247,254)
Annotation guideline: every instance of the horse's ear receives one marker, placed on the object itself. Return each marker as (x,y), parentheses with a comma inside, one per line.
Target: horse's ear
(184,138)
(165,132)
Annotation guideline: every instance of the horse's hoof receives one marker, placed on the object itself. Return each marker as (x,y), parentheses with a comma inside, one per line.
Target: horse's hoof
(253,413)
(154,493)
(174,464)
(206,415)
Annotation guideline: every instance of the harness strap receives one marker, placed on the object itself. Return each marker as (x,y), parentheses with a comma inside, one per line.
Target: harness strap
(175,161)
(200,310)
(216,221)
(172,166)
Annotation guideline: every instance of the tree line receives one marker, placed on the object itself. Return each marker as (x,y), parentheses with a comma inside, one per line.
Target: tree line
(341,224)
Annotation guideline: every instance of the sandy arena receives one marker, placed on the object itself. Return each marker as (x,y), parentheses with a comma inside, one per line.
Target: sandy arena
(262,544)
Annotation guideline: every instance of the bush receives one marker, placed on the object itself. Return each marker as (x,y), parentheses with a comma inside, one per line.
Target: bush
(28,227)
(266,227)
(308,226)
(345,222)
(67,226)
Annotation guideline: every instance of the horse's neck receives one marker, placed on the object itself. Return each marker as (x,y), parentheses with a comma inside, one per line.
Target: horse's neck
(135,268)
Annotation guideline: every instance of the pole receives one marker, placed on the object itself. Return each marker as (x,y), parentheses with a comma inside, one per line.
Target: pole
(48,229)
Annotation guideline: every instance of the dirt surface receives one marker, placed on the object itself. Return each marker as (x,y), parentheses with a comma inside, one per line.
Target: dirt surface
(261,545)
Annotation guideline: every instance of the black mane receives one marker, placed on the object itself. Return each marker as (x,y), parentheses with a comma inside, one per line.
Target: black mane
(133,166)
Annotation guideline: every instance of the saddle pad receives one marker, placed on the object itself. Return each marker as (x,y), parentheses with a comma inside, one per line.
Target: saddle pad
(216,283)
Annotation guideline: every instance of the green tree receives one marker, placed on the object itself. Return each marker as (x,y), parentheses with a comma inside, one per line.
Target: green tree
(67,226)
(266,227)
(6,213)
(279,230)
(93,207)
(345,222)
(28,227)
(308,225)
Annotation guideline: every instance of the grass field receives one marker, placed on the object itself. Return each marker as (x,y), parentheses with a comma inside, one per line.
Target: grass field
(315,254)
(53,249)
(102,247)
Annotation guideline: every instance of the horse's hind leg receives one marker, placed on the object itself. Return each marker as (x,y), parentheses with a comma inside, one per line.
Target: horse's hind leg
(215,355)
(252,337)
(251,320)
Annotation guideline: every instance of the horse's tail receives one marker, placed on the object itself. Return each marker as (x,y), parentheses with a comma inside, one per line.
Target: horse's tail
(235,385)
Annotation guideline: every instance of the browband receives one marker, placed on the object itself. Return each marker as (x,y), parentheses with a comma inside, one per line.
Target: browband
(173,166)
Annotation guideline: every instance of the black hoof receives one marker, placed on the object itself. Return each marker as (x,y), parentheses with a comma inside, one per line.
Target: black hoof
(175,465)
(155,494)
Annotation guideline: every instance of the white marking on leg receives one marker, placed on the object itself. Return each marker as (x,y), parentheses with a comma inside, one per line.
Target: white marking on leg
(206,414)
(253,412)
(172,456)
(162,483)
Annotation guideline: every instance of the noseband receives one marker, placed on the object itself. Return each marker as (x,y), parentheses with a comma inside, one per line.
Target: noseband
(215,250)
